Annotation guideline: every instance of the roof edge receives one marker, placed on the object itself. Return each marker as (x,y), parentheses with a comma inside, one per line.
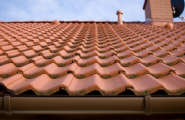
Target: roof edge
(144,4)
(62,21)
(146,105)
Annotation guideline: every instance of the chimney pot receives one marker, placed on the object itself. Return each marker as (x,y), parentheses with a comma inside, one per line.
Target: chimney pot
(119,13)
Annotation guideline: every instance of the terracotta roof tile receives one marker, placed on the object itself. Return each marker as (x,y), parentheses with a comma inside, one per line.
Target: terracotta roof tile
(173,84)
(83,56)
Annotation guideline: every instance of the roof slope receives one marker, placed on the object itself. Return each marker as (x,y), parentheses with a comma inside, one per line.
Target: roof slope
(80,57)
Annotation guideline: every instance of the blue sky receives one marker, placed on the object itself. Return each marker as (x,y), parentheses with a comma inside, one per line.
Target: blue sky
(98,10)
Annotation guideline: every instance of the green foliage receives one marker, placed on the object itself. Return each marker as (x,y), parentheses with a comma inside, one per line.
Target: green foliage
(173,63)
(180,91)
(146,92)
(86,64)
(81,76)
(148,64)
(106,76)
(82,92)
(103,57)
(102,92)
(163,55)
(127,64)
(108,64)
(133,76)
(112,93)
(182,75)
(67,57)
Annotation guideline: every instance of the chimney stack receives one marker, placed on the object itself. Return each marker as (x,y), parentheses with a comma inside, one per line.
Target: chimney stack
(158,12)
(119,13)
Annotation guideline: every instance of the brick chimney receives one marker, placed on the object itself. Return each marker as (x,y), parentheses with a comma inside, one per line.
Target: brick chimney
(119,13)
(158,12)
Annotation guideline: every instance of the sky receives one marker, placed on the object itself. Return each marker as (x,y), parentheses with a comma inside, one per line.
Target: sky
(97,10)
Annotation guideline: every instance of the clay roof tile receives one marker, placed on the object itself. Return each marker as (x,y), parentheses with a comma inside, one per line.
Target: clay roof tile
(83,56)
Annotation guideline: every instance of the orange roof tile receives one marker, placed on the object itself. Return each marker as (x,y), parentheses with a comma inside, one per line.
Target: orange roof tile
(83,56)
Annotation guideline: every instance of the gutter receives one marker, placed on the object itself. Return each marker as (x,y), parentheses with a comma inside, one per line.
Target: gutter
(146,105)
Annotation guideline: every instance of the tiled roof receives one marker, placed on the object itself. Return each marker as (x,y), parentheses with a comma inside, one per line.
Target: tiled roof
(81,57)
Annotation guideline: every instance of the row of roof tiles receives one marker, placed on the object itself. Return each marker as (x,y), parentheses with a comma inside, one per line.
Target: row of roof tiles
(143,85)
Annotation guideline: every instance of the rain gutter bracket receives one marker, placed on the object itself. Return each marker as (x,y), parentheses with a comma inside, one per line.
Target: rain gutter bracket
(148,105)
(7,107)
